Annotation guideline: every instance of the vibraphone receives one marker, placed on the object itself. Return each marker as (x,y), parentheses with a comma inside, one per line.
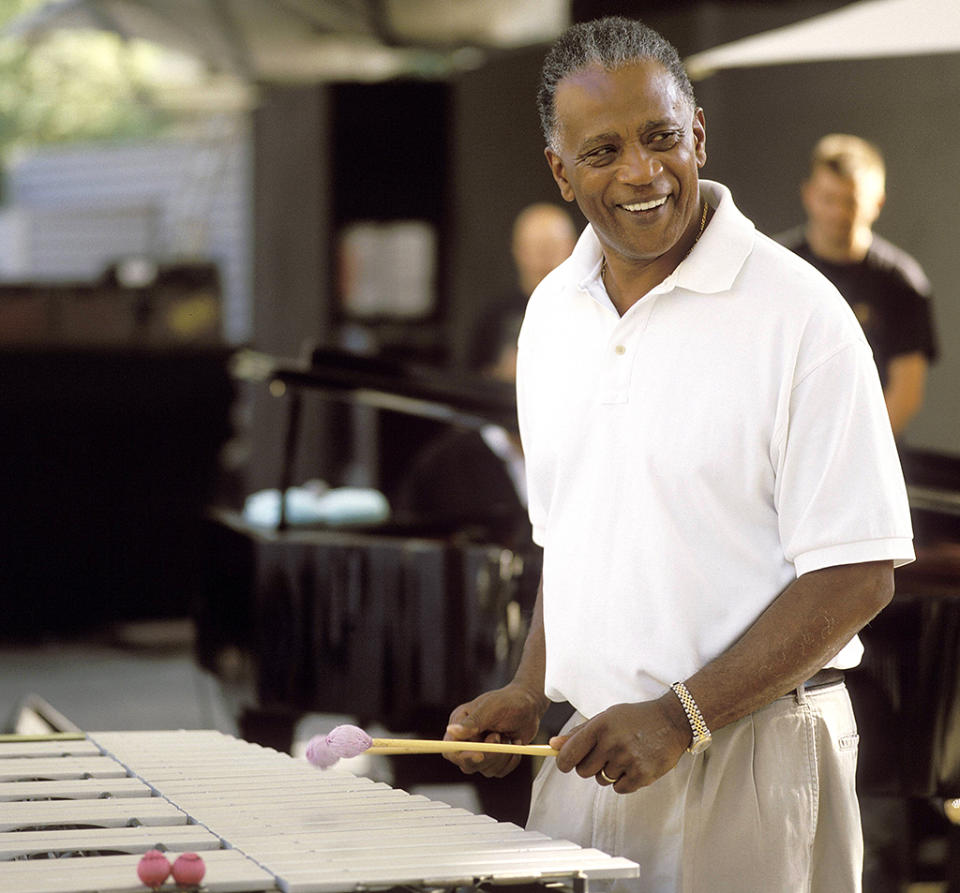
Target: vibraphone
(76,815)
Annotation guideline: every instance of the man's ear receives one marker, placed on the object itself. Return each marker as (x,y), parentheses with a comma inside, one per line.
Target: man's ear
(559,174)
(700,137)
(881,201)
(805,195)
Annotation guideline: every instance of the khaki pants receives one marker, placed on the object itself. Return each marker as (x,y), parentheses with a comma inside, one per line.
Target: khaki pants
(769,807)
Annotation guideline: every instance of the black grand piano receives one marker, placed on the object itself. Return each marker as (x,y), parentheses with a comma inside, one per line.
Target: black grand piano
(392,622)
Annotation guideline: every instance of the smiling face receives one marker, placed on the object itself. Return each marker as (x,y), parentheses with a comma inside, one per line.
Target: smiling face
(628,151)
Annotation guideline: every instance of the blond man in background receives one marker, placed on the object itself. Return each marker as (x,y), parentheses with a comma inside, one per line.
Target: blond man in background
(885,286)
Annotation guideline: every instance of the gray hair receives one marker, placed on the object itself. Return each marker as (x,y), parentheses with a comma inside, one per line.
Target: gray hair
(611,43)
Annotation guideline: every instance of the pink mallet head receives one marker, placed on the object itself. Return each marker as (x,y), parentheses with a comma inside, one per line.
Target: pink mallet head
(189,870)
(349,741)
(153,868)
(341,743)
(318,752)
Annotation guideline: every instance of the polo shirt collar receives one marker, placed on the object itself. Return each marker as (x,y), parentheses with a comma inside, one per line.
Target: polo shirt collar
(712,265)
(719,255)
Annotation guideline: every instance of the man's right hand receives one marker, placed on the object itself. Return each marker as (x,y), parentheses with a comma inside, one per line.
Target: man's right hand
(508,715)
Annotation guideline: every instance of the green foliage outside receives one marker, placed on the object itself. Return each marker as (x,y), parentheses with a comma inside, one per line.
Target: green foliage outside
(74,85)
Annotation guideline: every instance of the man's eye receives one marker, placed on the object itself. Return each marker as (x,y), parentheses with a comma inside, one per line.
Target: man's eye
(666,140)
(603,155)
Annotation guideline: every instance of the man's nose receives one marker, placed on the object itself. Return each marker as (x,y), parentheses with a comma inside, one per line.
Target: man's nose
(639,165)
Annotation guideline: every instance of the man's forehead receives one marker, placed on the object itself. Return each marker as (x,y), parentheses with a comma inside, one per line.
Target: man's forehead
(644,86)
(824,176)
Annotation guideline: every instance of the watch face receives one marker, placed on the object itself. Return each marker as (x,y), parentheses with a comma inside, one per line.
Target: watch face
(701,744)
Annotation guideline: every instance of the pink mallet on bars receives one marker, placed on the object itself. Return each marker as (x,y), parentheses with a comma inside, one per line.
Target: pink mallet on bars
(188,870)
(153,868)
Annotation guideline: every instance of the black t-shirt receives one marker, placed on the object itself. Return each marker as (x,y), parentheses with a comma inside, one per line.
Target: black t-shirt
(488,333)
(889,294)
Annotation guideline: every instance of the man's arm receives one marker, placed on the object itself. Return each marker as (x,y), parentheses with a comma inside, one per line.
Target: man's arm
(801,630)
(906,382)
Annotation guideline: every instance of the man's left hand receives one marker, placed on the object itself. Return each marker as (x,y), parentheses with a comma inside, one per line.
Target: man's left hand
(633,744)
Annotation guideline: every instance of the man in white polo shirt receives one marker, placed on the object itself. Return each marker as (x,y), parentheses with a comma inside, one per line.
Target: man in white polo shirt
(712,475)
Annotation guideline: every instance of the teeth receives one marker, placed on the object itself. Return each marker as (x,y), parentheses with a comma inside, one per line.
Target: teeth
(645,206)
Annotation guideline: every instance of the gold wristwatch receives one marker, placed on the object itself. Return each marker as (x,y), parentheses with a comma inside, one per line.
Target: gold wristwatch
(701,734)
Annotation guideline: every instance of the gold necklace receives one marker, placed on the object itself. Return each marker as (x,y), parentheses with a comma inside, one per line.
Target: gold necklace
(703,224)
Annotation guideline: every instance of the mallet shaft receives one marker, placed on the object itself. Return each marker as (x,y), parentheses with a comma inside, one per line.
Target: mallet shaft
(397,746)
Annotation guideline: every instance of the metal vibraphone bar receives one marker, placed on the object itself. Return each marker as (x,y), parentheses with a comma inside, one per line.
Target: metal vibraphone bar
(75,816)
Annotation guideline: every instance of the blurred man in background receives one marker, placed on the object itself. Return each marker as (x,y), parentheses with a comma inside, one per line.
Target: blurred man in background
(890,295)
(884,285)
(543,237)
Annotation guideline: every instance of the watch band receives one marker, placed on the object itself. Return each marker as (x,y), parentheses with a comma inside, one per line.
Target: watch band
(698,725)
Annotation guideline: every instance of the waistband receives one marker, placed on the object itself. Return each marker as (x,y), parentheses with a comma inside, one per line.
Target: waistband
(827,676)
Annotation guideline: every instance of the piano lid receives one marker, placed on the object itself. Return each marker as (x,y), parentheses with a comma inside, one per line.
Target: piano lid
(449,395)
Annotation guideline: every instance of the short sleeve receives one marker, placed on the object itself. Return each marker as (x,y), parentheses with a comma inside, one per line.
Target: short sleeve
(913,329)
(840,494)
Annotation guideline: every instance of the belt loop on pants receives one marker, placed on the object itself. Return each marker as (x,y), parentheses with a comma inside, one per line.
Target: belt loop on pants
(828,676)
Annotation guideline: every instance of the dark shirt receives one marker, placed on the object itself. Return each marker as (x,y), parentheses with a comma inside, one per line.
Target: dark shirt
(487,335)
(889,294)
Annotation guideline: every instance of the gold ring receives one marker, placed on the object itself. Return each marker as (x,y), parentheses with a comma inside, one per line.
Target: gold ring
(607,778)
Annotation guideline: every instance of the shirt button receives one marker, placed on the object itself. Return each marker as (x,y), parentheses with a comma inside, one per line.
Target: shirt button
(620,350)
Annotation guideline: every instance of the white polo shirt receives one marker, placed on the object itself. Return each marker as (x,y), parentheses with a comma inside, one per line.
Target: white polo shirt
(687,461)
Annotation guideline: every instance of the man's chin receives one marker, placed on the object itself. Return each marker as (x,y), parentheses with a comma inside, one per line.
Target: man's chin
(643,243)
